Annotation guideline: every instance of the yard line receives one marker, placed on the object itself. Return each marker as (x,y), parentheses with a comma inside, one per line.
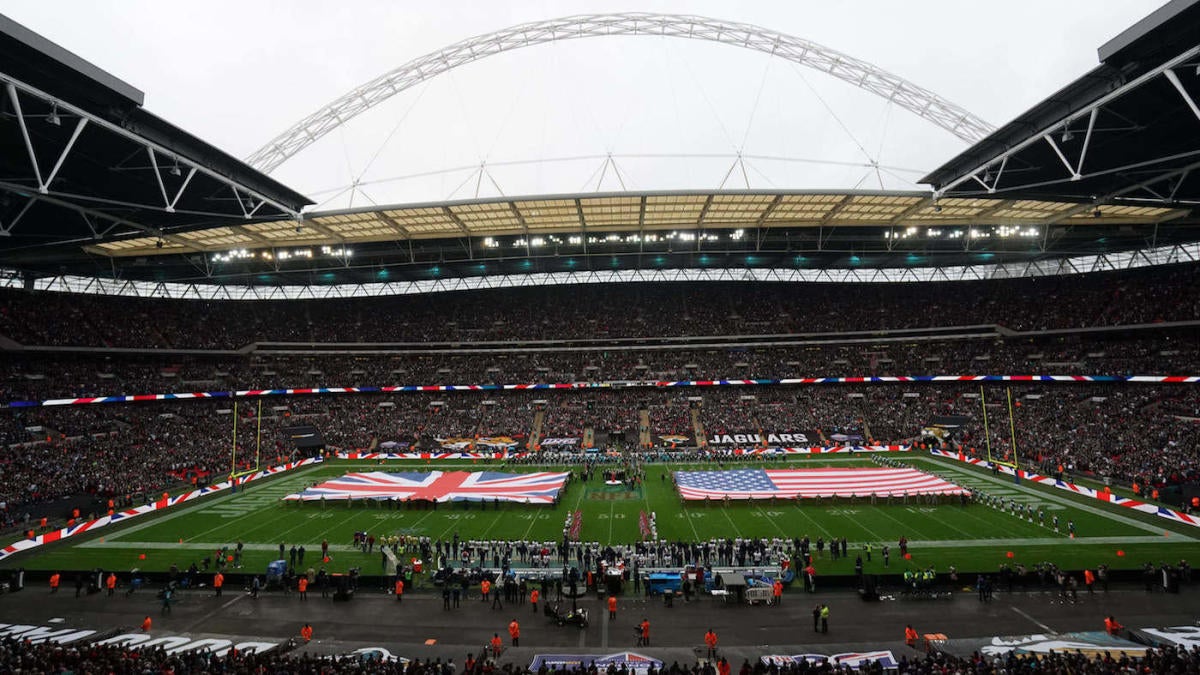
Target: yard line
(612,506)
(736,531)
(200,504)
(871,532)
(812,520)
(772,521)
(1050,497)
(495,520)
(904,526)
(970,513)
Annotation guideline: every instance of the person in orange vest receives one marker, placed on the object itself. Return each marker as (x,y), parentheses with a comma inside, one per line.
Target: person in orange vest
(146,623)
(722,667)
(777,591)
(497,644)
(612,607)
(485,587)
(218,582)
(306,632)
(710,641)
(399,590)
(1154,494)
(54,579)
(1111,626)
(1089,580)
(45,522)
(910,636)
(302,587)
(514,632)
(644,636)
(1196,503)
(533,599)
(111,583)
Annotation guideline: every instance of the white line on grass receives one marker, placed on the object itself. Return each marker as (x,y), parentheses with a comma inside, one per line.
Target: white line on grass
(812,520)
(612,507)
(1062,501)
(772,521)
(908,526)
(736,532)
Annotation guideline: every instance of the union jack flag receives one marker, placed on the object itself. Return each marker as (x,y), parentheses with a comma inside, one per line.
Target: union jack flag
(789,483)
(442,486)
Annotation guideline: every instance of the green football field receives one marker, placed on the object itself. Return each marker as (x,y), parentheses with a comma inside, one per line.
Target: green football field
(972,538)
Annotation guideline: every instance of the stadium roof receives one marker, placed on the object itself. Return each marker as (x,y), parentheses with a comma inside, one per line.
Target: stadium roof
(1128,132)
(81,159)
(97,192)
(580,214)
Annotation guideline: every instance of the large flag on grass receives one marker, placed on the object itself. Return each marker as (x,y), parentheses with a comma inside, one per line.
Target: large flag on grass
(443,486)
(789,483)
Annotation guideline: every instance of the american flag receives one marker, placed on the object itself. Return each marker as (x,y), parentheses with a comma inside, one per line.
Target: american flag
(788,483)
(443,486)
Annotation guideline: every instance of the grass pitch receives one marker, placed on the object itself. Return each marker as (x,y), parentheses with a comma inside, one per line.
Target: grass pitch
(972,538)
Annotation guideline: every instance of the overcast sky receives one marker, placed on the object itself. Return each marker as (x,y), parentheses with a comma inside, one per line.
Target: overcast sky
(238,73)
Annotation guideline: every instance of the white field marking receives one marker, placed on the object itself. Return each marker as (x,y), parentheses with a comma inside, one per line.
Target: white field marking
(200,504)
(1063,501)
(772,521)
(902,524)
(812,520)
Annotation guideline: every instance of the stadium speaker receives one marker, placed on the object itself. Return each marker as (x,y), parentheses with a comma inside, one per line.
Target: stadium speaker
(869,589)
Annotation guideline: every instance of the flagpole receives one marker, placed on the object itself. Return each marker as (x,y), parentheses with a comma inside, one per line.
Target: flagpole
(1012,430)
(987,437)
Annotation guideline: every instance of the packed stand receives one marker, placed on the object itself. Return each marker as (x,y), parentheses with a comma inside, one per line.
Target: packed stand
(607,311)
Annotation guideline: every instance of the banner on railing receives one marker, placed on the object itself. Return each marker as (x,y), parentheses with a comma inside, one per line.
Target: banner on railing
(121,516)
(1110,497)
(615,384)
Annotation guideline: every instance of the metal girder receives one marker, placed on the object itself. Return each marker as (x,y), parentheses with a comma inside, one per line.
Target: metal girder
(87,119)
(1073,173)
(1146,257)
(868,77)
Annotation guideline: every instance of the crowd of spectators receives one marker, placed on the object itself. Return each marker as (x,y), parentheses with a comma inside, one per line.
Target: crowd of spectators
(1125,432)
(607,311)
(28,377)
(19,656)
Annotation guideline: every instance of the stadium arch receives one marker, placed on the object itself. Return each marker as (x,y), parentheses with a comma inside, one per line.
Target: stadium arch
(866,76)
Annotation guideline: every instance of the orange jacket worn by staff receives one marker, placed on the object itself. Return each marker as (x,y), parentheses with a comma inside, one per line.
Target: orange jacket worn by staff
(306,632)
(910,636)
(1111,626)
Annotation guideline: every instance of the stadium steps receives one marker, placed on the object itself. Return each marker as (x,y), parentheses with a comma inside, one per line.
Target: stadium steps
(697,426)
(535,433)
(643,428)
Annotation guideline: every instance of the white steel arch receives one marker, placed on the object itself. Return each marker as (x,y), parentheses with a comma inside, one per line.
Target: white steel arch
(918,100)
